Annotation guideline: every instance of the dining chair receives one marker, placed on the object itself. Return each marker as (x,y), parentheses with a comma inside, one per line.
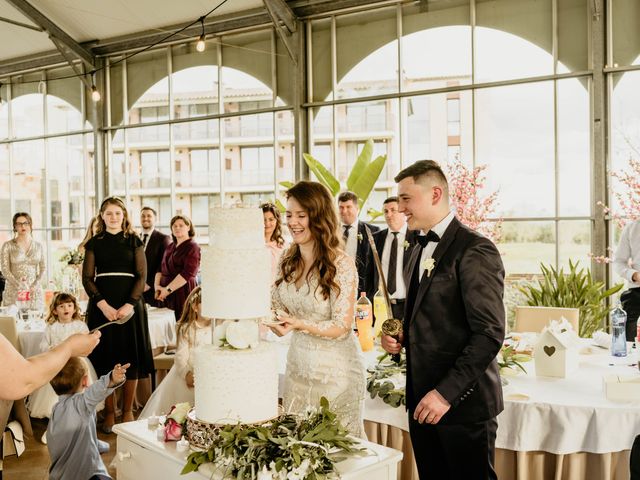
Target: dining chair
(9,329)
(534,319)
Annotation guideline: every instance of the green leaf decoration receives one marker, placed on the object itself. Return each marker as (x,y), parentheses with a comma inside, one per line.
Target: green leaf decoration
(367,179)
(313,443)
(324,176)
(280,206)
(378,384)
(286,184)
(361,164)
(574,289)
(373,214)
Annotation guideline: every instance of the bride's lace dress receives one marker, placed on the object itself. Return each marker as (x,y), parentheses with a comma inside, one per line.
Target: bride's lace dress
(321,366)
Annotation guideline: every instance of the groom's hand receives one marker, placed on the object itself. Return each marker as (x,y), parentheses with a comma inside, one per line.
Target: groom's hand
(392,345)
(431,408)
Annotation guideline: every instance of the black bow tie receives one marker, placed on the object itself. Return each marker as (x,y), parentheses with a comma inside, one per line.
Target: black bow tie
(431,236)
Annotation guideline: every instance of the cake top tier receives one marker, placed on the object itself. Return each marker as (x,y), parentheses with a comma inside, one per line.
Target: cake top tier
(236,227)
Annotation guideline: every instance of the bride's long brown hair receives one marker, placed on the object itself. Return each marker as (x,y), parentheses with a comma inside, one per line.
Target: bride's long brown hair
(317,202)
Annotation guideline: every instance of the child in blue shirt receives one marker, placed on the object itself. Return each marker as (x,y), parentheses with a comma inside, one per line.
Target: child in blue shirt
(71,434)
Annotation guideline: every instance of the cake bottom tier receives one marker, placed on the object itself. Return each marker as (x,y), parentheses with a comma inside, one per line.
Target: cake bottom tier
(236,386)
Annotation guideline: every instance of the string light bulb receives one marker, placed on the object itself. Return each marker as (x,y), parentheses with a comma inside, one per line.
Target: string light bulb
(95,94)
(201,45)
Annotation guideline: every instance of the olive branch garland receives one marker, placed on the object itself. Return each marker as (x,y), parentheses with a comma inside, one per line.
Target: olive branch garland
(386,389)
(307,447)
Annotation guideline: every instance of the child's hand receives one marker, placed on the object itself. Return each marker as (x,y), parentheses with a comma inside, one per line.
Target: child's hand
(118,374)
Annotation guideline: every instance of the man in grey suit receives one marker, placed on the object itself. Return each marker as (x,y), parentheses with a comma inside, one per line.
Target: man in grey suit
(453,329)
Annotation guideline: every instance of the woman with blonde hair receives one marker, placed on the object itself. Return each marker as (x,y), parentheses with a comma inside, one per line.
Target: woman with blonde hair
(113,275)
(192,331)
(91,231)
(314,297)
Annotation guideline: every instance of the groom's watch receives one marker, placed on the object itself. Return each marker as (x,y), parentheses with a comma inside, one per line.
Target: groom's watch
(169,290)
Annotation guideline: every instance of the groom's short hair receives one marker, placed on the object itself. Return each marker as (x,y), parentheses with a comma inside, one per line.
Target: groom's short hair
(424,170)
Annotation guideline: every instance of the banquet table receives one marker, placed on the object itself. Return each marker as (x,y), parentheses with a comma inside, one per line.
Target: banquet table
(551,428)
(162,332)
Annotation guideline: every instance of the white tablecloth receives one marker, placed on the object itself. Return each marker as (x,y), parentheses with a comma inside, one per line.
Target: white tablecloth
(30,334)
(162,327)
(561,416)
(570,415)
(162,331)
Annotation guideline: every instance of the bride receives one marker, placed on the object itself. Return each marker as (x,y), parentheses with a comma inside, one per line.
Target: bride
(314,296)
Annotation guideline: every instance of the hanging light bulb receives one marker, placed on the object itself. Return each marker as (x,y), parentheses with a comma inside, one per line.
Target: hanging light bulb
(95,94)
(200,46)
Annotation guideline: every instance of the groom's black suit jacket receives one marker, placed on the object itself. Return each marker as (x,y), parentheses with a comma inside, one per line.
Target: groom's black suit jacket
(455,328)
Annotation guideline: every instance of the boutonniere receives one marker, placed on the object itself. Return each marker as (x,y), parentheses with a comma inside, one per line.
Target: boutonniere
(406,244)
(360,237)
(428,264)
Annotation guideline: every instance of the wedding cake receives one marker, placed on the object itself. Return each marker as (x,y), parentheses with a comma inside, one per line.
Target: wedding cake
(236,378)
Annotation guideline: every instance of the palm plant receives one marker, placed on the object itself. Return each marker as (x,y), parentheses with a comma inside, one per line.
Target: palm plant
(576,289)
(361,179)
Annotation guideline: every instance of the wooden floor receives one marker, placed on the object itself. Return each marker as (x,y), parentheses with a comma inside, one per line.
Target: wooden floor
(33,464)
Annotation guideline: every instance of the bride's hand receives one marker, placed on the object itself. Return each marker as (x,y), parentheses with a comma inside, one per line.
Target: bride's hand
(288,324)
(281,330)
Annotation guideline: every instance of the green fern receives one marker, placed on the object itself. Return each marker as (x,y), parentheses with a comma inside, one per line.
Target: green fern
(575,289)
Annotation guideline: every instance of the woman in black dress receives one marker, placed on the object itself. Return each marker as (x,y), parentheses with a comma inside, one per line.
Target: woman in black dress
(113,275)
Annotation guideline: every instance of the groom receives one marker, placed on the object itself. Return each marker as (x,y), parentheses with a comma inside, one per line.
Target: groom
(453,329)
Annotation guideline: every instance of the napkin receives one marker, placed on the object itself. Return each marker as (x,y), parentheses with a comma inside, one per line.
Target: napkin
(601,339)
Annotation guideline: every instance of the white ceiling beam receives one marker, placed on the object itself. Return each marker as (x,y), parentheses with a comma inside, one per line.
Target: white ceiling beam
(54,31)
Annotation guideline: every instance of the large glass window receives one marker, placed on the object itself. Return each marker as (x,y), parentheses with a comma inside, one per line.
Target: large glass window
(532,138)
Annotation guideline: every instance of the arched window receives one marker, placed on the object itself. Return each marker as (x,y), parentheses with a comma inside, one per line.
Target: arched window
(533,136)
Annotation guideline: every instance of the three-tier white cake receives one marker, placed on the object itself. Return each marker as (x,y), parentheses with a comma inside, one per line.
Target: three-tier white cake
(236,385)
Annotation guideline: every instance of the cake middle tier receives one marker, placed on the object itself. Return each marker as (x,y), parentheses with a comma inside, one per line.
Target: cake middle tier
(236,282)
(236,386)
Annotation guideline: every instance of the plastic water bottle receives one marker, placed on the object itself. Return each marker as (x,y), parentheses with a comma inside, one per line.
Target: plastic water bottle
(618,332)
(23,299)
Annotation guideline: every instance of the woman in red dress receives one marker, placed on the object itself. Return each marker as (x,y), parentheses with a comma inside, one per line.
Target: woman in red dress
(180,265)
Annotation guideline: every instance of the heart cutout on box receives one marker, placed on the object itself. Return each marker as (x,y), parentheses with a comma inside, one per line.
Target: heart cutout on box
(549,350)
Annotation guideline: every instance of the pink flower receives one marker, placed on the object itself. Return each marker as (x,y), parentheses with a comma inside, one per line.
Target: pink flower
(172,431)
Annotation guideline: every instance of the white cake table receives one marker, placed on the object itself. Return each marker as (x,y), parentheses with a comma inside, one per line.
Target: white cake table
(141,456)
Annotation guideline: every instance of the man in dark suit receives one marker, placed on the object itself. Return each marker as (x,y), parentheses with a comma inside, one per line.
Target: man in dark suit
(155,243)
(394,246)
(355,235)
(453,329)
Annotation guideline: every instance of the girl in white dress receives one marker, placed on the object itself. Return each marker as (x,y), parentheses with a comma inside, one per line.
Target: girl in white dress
(192,331)
(63,320)
(314,297)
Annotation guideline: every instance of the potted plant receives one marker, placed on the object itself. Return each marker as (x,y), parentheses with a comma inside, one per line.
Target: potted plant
(575,289)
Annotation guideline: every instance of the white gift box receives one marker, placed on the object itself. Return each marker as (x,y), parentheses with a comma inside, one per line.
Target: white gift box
(622,388)
(556,354)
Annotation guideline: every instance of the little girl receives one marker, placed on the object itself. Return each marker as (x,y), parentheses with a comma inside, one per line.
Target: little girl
(63,320)
(192,330)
